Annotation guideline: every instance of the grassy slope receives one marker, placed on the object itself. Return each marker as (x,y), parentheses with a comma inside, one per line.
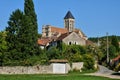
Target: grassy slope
(51,77)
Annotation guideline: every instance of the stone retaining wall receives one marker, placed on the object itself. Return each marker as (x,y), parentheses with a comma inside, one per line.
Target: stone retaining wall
(36,69)
(26,70)
(77,66)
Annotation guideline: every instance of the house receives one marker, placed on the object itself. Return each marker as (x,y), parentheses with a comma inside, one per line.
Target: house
(43,43)
(116,60)
(71,38)
(69,34)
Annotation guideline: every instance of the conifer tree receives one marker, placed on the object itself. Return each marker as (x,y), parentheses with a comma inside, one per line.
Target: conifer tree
(3,46)
(30,13)
(22,34)
(13,37)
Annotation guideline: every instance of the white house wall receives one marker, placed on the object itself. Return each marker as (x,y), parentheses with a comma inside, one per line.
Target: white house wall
(74,38)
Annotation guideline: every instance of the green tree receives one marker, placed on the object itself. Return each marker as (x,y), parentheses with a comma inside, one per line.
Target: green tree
(13,29)
(103,48)
(3,43)
(22,35)
(114,42)
(3,46)
(30,12)
(53,53)
(19,37)
(77,58)
(112,52)
(89,62)
(39,35)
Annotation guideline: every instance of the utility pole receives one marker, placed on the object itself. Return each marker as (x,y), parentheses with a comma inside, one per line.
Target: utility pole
(107,48)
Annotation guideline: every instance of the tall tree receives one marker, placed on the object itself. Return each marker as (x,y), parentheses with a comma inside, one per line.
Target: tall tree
(114,42)
(13,29)
(30,12)
(3,43)
(3,46)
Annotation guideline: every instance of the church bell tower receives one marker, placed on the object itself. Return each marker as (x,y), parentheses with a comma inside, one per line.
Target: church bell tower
(69,21)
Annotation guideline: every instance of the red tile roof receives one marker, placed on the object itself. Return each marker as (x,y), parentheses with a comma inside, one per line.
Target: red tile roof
(43,42)
(88,42)
(59,30)
(78,30)
(63,36)
(117,58)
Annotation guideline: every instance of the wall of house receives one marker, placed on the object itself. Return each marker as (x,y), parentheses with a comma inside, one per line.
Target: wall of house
(74,38)
(46,31)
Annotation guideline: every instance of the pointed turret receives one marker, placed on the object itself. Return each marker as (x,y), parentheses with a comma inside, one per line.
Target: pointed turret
(69,21)
(69,15)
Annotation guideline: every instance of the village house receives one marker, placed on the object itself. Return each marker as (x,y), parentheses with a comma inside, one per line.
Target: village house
(116,61)
(71,38)
(51,35)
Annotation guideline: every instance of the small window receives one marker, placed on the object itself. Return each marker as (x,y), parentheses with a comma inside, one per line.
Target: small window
(70,43)
(75,43)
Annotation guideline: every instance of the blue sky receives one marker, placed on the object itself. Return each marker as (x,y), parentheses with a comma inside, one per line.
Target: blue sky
(93,17)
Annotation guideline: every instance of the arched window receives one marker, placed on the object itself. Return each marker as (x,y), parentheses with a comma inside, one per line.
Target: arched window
(75,43)
(70,43)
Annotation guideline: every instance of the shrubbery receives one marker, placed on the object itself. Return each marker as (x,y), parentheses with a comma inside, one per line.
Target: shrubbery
(89,62)
(117,68)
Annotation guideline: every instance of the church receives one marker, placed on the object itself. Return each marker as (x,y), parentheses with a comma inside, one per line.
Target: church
(69,35)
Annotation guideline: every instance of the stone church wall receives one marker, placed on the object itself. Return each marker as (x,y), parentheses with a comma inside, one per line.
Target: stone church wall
(73,38)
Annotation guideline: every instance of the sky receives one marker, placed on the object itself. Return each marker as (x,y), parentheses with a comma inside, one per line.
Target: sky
(94,17)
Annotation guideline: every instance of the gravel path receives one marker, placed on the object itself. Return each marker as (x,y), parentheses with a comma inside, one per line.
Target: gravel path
(105,72)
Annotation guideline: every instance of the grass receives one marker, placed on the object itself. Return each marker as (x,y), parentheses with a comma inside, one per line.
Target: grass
(52,77)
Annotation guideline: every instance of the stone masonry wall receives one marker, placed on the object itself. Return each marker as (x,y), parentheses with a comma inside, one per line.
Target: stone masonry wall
(26,70)
(37,69)
(77,66)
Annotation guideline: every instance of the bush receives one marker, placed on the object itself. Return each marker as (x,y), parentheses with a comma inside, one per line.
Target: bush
(77,58)
(88,62)
(53,53)
(117,68)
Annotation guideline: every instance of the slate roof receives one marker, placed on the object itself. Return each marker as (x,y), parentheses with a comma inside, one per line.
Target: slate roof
(69,15)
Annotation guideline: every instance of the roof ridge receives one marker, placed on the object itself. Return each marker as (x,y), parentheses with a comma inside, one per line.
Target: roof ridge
(58,27)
